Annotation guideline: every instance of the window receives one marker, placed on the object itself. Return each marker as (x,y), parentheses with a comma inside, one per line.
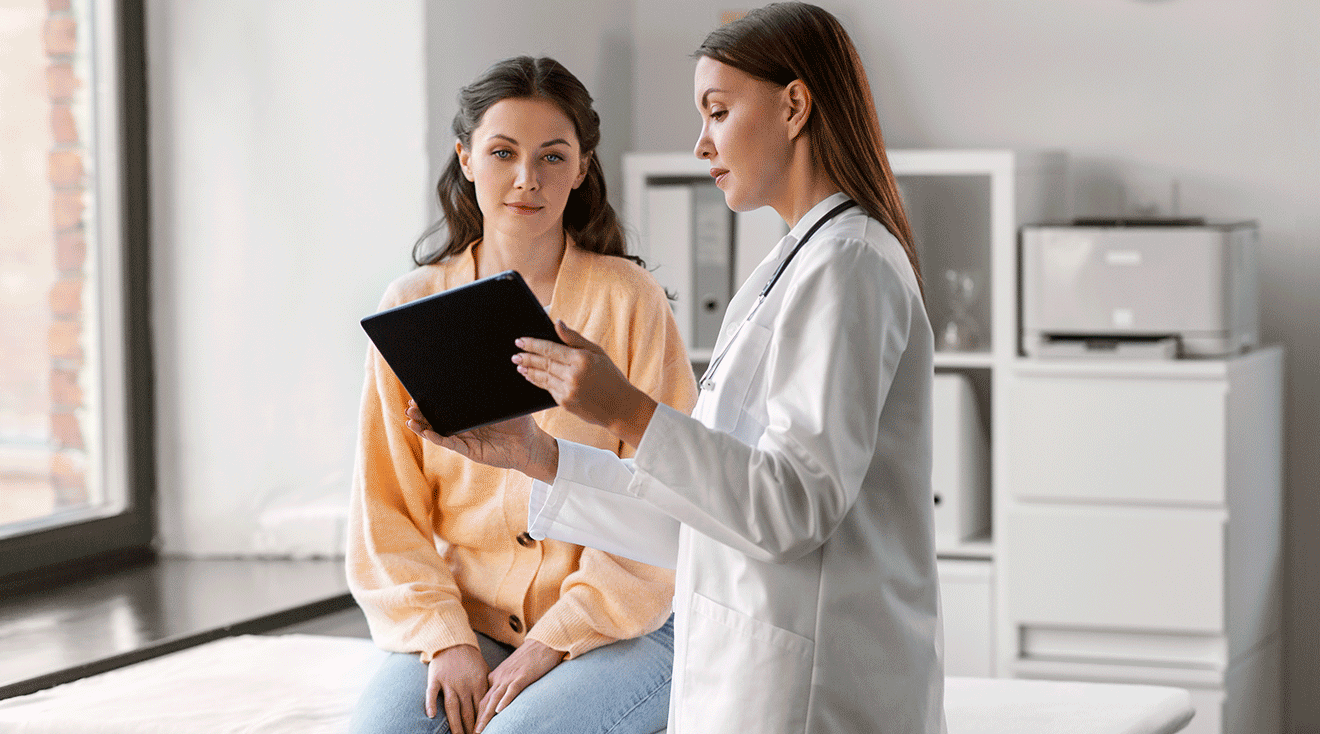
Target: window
(76,477)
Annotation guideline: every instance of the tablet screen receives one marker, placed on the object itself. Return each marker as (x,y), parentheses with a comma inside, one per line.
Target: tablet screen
(453,350)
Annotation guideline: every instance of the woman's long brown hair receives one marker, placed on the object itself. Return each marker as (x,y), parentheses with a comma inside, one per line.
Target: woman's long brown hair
(588,216)
(785,41)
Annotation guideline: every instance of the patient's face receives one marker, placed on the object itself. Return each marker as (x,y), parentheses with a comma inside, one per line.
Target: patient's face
(525,159)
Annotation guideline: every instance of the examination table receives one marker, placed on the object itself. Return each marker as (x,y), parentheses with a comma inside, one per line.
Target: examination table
(309,684)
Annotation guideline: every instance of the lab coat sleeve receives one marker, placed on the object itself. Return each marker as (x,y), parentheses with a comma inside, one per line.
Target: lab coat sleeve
(589,505)
(835,346)
(610,596)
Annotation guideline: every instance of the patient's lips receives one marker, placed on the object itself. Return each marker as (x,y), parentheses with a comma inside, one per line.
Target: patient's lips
(524,207)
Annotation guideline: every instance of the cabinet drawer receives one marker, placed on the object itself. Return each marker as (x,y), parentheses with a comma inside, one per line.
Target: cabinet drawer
(1141,569)
(967,603)
(1145,440)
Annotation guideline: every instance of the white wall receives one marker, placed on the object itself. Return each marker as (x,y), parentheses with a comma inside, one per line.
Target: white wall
(592,38)
(295,146)
(288,183)
(1222,96)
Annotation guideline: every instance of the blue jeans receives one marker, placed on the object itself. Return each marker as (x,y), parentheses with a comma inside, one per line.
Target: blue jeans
(621,688)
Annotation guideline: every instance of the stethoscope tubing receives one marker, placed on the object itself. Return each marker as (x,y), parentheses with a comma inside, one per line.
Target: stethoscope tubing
(706,383)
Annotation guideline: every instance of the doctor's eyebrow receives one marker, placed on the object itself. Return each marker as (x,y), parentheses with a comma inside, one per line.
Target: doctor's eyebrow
(546,144)
(705,96)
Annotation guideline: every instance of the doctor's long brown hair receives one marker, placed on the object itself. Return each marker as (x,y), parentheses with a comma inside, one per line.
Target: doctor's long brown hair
(588,217)
(792,40)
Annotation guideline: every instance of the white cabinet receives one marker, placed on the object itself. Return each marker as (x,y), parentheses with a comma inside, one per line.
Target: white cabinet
(1107,438)
(967,599)
(1139,539)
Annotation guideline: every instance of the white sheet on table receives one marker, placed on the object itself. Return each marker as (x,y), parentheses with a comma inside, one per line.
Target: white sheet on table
(310,684)
(251,684)
(1012,706)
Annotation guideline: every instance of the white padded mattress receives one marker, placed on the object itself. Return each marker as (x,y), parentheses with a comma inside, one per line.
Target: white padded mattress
(309,684)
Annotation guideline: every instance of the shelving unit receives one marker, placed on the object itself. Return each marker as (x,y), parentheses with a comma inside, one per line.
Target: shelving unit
(965,207)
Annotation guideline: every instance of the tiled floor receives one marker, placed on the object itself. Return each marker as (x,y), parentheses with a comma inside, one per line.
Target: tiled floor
(98,624)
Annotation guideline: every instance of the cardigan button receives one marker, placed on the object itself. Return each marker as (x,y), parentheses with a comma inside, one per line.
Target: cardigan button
(526,540)
(514,623)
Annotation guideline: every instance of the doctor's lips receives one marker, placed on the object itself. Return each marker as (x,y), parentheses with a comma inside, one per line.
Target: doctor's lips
(522,207)
(719,174)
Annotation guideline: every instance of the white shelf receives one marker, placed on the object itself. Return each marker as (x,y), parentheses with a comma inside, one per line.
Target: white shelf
(1181,369)
(973,548)
(982,360)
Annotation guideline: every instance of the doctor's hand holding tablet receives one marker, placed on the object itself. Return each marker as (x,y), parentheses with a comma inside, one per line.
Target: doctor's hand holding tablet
(581,378)
(794,502)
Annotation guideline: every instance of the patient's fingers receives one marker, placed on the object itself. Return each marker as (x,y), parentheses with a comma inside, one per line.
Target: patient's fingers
(455,712)
(432,693)
(487,707)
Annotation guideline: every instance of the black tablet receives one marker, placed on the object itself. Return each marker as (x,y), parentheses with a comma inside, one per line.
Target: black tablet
(453,351)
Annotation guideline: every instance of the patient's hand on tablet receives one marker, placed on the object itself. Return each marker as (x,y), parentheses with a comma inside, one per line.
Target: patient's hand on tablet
(517,443)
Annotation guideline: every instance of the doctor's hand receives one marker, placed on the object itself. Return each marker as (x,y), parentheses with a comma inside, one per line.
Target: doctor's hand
(524,667)
(459,674)
(517,443)
(583,380)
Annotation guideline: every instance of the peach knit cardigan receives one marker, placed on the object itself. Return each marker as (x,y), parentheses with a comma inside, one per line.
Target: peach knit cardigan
(436,543)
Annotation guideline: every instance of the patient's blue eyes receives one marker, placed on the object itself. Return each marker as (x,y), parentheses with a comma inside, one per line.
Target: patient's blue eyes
(505,154)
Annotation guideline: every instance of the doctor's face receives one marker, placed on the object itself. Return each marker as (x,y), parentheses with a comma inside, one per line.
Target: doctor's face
(524,161)
(744,134)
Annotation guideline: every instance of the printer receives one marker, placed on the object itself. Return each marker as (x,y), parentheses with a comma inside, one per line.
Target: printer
(1148,288)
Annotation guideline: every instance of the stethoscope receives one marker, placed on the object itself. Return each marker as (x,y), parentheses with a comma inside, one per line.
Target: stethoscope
(707,383)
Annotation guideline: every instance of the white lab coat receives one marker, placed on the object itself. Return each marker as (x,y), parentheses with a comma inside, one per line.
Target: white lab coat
(795,502)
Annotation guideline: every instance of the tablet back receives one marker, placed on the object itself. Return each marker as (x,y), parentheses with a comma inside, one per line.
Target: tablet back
(453,351)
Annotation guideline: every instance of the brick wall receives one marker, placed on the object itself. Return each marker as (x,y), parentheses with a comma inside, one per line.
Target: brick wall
(68,180)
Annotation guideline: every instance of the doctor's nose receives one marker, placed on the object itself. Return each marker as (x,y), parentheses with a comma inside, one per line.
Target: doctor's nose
(705,148)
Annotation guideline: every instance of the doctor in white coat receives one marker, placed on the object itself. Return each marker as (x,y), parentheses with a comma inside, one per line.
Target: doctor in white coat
(795,502)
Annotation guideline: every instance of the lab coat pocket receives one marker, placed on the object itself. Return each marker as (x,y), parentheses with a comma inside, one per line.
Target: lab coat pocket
(737,372)
(742,674)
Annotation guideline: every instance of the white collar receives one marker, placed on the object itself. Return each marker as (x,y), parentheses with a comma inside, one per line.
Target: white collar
(815,213)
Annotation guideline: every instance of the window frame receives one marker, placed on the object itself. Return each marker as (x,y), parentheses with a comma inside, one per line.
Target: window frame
(84,546)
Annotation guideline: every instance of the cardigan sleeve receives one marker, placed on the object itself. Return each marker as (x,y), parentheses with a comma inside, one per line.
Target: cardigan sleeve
(405,588)
(610,597)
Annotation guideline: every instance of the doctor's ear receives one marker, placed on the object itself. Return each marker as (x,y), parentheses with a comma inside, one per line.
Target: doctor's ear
(463,158)
(797,104)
